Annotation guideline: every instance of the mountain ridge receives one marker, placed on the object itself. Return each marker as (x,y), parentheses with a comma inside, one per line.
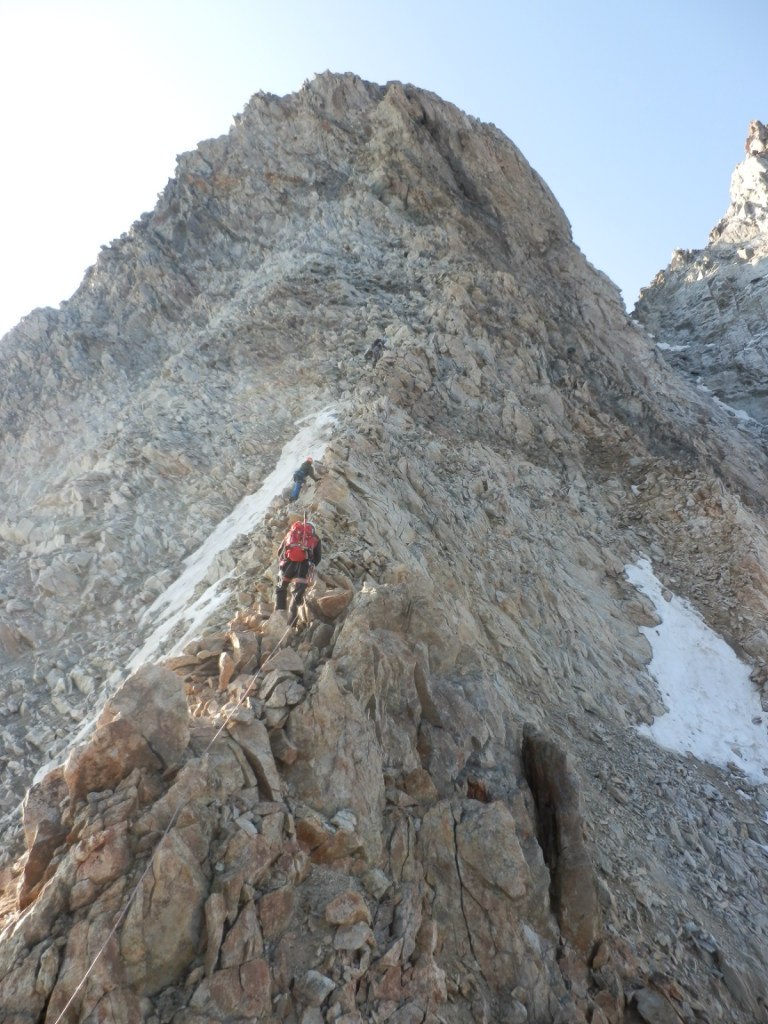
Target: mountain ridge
(708,308)
(466,714)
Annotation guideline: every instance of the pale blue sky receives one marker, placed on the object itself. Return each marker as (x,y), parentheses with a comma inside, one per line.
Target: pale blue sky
(634,113)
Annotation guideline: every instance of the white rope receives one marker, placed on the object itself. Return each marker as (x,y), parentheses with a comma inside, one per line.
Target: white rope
(166,831)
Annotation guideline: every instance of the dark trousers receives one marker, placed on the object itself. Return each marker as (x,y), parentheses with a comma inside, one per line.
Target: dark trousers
(298,571)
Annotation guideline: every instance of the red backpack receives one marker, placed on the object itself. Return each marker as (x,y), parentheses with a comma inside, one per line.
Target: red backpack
(300,541)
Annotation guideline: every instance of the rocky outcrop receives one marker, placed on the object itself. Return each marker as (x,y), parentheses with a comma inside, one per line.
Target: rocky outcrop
(428,801)
(708,310)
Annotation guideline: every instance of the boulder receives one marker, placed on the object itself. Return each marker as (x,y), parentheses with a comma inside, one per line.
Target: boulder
(115,749)
(236,993)
(161,931)
(43,828)
(253,738)
(153,699)
(347,908)
(333,602)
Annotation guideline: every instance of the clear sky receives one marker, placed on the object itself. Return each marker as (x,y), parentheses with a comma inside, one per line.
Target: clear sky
(634,113)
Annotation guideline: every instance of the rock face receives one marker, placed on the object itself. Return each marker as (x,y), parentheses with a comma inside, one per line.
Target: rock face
(428,801)
(708,311)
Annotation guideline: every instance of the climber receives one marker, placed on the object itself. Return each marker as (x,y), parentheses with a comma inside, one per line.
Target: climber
(305,469)
(374,352)
(299,552)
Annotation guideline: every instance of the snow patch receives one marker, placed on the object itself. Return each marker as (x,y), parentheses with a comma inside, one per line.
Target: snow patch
(738,414)
(714,710)
(176,605)
(666,347)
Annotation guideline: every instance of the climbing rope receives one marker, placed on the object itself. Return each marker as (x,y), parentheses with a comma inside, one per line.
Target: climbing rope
(174,817)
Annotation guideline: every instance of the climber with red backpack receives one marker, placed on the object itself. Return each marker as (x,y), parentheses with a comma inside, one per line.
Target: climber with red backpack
(297,556)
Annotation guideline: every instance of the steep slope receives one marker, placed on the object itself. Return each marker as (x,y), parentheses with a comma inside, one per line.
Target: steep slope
(709,309)
(433,803)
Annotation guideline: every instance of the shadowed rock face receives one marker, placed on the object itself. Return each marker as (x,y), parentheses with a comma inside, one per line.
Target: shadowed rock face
(429,801)
(708,310)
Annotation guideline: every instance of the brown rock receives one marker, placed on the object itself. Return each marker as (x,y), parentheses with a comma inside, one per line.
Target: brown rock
(236,992)
(276,718)
(283,750)
(428,983)
(285,660)
(42,805)
(345,765)
(488,848)
(161,931)
(182,661)
(322,635)
(118,1004)
(483,897)
(273,824)
(215,916)
(334,602)
(45,842)
(611,1006)
(275,912)
(192,783)
(312,832)
(247,861)
(82,893)
(269,681)
(153,699)
(244,940)
(253,738)
(418,784)
(390,985)
(20,998)
(10,640)
(114,750)
(107,856)
(347,908)
(105,974)
(654,1008)
(246,646)
(341,846)
(211,645)
(599,1015)
(226,669)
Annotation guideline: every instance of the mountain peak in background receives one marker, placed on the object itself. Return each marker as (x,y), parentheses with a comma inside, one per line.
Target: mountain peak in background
(747,215)
(483,778)
(709,308)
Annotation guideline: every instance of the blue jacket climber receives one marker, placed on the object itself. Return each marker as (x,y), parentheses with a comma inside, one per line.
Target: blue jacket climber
(305,469)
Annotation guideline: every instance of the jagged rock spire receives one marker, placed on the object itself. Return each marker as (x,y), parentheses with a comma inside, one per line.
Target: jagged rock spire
(747,215)
(706,310)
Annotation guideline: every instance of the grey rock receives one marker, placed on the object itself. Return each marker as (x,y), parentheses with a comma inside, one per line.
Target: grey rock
(707,310)
(483,486)
(313,988)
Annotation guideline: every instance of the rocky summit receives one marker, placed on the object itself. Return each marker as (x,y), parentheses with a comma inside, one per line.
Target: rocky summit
(438,797)
(709,308)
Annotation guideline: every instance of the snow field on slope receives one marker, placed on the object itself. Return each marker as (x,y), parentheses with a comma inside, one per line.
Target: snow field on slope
(714,710)
(177,603)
